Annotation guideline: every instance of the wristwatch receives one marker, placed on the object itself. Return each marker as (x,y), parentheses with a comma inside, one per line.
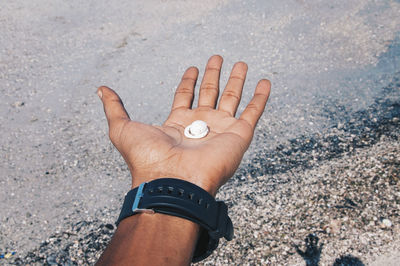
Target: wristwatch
(183,199)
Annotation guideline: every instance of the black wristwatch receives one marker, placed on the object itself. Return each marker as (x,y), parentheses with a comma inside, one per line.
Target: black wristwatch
(180,198)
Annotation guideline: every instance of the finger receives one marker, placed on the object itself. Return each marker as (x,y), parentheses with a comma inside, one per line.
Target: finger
(255,108)
(113,108)
(209,87)
(185,91)
(230,98)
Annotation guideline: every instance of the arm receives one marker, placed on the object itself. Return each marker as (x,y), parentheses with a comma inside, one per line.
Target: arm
(153,152)
(151,239)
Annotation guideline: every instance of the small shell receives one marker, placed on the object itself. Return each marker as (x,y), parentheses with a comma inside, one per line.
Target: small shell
(198,129)
(386,223)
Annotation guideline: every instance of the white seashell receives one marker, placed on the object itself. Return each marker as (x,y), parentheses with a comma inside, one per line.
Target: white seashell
(386,223)
(198,129)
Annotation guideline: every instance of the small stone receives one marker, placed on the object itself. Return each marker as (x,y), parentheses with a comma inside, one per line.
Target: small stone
(109,226)
(371,223)
(386,223)
(51,260)
(333,227)
(18,104)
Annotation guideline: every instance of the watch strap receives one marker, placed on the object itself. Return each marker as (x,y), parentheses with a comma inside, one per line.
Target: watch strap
(183,199)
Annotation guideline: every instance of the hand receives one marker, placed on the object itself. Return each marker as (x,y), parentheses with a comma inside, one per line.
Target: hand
(153,152)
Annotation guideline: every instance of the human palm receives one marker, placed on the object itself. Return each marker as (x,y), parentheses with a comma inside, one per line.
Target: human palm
(153,152)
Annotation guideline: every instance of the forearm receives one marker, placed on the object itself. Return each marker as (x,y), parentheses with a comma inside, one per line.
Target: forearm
(152,239)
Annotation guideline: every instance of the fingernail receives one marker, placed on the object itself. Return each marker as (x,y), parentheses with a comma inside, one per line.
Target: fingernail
(100,94)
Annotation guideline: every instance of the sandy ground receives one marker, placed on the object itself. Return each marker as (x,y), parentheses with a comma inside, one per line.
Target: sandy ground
(334,107)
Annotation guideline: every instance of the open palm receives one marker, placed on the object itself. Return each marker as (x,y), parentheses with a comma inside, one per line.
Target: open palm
(153,152)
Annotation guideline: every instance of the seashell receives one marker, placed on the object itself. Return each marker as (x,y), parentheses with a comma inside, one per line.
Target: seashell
(198,129)
(386,223)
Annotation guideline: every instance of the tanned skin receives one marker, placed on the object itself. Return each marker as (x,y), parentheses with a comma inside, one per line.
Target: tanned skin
(153,152)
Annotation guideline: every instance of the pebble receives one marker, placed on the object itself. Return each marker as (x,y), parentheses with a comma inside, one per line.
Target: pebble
(386,223)
(18,104)
(333,227)
(51,260)
(109,226)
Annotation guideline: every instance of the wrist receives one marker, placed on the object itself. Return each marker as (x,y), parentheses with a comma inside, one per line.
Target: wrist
(204,183)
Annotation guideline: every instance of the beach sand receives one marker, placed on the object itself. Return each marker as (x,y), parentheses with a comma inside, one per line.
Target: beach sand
(323,163)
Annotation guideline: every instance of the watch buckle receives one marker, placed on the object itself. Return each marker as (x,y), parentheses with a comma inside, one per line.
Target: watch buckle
(138,197)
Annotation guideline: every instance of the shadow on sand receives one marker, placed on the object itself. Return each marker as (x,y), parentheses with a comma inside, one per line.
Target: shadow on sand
(312,254)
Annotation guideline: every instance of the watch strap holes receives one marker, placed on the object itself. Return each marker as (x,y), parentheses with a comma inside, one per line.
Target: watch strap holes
(180,192)
(160,189)
(190,196)
(207,205)
(170,190)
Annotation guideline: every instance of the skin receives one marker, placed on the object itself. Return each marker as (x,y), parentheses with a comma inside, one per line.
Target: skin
(153,152)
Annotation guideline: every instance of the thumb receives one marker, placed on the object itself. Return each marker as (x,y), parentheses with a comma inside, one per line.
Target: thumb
(113,108)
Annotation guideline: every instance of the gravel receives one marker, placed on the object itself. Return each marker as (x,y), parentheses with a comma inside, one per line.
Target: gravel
(320,180)
(343,207)
(350,203)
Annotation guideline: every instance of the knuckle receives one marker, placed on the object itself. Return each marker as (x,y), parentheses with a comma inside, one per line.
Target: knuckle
(209,87)
(237,77)
(253,107)
(262,95)
(115,130)
(210,68)
(205,106)
(247,124)
(230,94)
(113,135)
(189,79)
(115,99)
(184,90)
(179,108)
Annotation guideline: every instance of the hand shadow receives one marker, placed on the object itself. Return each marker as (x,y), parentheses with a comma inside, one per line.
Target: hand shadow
(312,254)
